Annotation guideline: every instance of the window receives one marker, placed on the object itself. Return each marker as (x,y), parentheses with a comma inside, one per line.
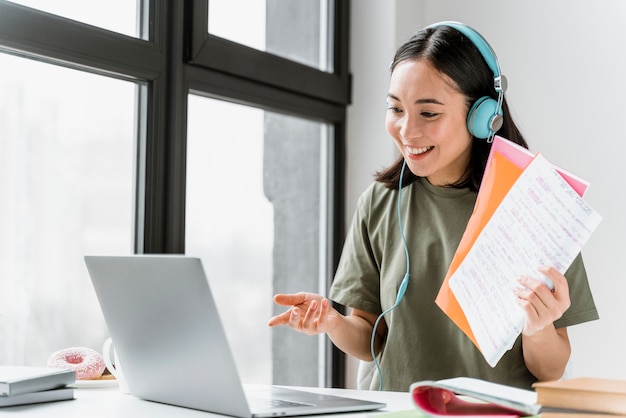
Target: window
(256,202)
(230,224)
(66,177)
(305,53)
(281,27)
(139,160)
(116,15)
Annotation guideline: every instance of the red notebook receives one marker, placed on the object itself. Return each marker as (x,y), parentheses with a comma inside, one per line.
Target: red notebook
(468,397)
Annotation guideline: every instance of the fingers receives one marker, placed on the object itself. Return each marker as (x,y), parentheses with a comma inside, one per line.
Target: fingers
(561,288)
(312,320)
(286,300)
(307,312)
(324,314)
(533,290)
(542,305)
(282,319)
(541,292)
(294,299)
(290,299)
(309,318)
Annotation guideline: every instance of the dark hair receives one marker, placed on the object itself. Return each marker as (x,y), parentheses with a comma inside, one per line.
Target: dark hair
(453,54)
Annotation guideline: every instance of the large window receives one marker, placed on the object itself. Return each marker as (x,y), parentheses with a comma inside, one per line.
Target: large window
(163,137)
(66,177)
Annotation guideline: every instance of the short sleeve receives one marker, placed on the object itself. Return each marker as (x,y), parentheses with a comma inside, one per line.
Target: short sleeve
(357,280)
(582,308)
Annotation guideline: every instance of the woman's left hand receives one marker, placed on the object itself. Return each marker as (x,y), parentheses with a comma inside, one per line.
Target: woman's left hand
(542,305)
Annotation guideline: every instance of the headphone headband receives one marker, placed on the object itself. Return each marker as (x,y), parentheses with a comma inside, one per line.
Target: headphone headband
(477,39)
(485,116)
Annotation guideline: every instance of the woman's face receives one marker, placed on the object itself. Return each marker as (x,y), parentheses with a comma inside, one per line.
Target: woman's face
(426,117)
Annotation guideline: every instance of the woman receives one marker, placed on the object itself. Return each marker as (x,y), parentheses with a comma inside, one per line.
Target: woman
(436,79)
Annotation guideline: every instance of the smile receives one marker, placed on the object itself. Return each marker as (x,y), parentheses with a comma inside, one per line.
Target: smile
(417,151)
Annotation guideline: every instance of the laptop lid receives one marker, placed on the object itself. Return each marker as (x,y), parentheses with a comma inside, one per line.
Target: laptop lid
(169,338)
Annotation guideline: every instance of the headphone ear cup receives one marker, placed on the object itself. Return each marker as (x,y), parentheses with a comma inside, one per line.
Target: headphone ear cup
(484,117)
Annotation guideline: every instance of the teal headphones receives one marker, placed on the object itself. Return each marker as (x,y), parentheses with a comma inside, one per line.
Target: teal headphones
(485,116)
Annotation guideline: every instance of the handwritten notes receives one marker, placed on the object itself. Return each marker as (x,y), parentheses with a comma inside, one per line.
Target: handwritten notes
(540,221)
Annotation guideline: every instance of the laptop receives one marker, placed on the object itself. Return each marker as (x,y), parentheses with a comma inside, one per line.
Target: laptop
(168,336)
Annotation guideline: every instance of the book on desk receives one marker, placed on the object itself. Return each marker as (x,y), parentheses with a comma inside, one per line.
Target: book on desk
(439,398)
(21,385)
(52,395)
(577,397)
(589,394)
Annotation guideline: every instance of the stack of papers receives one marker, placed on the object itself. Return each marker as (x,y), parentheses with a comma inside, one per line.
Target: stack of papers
(528,213)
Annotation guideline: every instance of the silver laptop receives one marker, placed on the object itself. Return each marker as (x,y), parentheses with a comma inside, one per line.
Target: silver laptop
(169,338)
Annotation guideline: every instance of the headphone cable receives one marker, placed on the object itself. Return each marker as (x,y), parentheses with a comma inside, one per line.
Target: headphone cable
(403,285)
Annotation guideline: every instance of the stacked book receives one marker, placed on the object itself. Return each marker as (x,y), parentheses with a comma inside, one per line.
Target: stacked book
(589,396)
(581,397)
(20,385)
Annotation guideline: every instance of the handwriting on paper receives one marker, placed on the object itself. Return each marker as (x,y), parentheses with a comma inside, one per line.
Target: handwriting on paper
(541,221)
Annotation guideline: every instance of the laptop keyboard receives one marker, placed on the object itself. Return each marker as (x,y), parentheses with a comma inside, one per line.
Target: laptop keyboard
(258,403)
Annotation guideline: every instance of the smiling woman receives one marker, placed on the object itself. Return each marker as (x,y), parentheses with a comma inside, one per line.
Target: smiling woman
(440,78)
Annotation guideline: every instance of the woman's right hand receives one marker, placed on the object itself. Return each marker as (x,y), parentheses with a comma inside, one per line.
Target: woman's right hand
(309,313)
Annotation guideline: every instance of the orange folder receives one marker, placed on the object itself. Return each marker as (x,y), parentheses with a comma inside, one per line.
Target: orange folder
(506,163)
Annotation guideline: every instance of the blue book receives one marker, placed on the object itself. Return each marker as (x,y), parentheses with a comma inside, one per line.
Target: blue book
(18,380)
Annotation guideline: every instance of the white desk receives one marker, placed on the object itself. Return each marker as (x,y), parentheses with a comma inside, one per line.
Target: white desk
(110,403)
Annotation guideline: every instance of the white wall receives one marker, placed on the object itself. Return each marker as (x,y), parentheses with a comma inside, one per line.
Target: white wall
(565,61)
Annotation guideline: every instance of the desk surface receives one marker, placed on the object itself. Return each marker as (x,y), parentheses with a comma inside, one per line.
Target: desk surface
(111,403)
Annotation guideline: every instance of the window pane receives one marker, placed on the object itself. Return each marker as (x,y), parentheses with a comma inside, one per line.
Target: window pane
(115,15)
(254,214)
(296,30)
(66,176)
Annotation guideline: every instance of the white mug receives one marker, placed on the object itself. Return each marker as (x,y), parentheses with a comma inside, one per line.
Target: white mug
(113,364)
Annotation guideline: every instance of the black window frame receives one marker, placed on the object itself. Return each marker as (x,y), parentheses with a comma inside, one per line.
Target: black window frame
(222,55)
(180,57)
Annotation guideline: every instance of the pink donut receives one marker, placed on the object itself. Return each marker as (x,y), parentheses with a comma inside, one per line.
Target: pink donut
(86,363)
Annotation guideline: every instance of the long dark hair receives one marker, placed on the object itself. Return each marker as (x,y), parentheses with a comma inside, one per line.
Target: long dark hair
(453,54)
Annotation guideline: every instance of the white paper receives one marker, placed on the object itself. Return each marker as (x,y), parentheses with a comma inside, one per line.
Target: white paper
(541,221)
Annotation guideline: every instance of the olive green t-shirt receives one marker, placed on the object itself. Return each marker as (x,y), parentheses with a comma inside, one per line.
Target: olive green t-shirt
(422,342)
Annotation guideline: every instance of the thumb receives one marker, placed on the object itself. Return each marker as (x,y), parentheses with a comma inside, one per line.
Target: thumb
(290,299)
